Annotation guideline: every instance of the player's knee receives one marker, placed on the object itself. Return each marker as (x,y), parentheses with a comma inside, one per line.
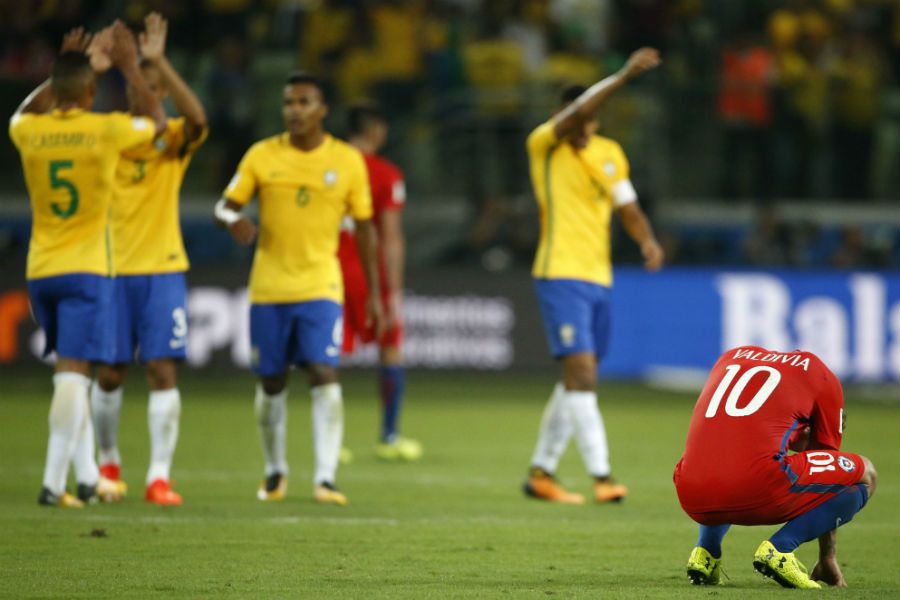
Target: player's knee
(161,374)
(870,477)
(110,378)
(274,385)
(322,375)
(580,372)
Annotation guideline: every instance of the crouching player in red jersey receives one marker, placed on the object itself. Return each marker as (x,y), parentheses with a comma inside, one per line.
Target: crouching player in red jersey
(368,133)
(764,448)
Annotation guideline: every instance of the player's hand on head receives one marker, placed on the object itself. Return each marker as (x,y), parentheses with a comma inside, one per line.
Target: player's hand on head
(153,39)
(75,40)
(653,255)
(243,231)
(642,60)
(828,571)
(124,49)
(99,50)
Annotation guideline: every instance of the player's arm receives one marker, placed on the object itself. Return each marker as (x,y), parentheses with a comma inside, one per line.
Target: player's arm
(367,247)
(827,568)
(239,192)
(123,54)
(638,228)
(827,419)
(585,106)
(153,48)
(40,100)
(393,247)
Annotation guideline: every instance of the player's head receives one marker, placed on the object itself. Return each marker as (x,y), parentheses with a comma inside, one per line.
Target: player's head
(303,104)
(579,138)
(154,81)
(366,119)
(72,80)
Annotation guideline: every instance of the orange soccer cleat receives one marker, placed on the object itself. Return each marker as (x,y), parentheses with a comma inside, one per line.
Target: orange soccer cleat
(608,490)
(543,486)
(160,492)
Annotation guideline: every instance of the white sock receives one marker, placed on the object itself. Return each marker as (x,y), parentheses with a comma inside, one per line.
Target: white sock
(163,414)
(555,433)
(83,461)
(589,431)
(328,430)
(106,407)
(271,417)
(68,409)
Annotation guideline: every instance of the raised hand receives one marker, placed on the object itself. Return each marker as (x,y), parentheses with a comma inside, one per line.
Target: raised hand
(99,50)
(642,60)
(124,49)
(153,39)
(76,40)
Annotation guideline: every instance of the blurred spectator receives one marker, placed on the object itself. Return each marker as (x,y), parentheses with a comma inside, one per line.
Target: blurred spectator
(856,251)
(745,111)
(857,76)
(232,105)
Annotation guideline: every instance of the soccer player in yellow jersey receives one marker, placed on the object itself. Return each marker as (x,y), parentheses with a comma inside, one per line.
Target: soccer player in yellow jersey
(305,181)
(69,156)
(579,180)
(150,261)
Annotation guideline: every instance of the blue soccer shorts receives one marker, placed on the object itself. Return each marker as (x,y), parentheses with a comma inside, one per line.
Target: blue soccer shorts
(576,316)
(151,317)
(298,333)
(75,312)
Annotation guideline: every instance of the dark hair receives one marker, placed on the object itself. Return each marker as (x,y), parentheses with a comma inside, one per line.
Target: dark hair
(362,115)
(571,92)
(302,77)
(71,75)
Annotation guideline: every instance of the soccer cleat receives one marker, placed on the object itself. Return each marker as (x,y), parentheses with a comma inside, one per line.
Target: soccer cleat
(400,448)
(608,490)
(543,486)
(326,493)
(111,471)
(783,567)
(161,493)
(703,568)
(67,500)
(273,488)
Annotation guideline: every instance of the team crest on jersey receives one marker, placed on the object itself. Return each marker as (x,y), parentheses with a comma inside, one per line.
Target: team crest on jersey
(567,334)
(609,168)
(161,144)
(330,177)
(846,464)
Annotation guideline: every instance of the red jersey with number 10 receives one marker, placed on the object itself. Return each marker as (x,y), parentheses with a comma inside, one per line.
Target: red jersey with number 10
(753,402)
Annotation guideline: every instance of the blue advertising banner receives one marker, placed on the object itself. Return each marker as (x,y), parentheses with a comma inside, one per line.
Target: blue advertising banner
(677,322)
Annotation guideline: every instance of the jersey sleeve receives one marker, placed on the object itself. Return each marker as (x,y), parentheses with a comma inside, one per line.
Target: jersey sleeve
(185,146)
(127,131)
(395,190)
(359,196)
(243,185)
(828,414)
(541,139)
(618,169)
(18,126)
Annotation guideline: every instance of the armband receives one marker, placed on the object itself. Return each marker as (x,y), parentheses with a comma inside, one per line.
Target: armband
(229,216)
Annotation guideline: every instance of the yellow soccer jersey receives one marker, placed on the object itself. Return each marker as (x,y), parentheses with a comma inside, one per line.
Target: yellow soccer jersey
(69,158)
(145,224)
(576,192)
(302,198)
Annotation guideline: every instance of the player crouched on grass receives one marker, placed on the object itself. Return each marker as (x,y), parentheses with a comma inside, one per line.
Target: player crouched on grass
(150,262)
(368,133)
(763,448)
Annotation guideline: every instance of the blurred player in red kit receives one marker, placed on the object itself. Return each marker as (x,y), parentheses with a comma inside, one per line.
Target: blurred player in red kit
(763,449)
(368,132)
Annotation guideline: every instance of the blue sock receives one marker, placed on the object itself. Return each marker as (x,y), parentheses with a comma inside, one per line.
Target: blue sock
(711,538)
(822,519)
(393,382)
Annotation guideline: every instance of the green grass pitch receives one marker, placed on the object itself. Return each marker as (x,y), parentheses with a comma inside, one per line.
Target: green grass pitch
(454,525)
